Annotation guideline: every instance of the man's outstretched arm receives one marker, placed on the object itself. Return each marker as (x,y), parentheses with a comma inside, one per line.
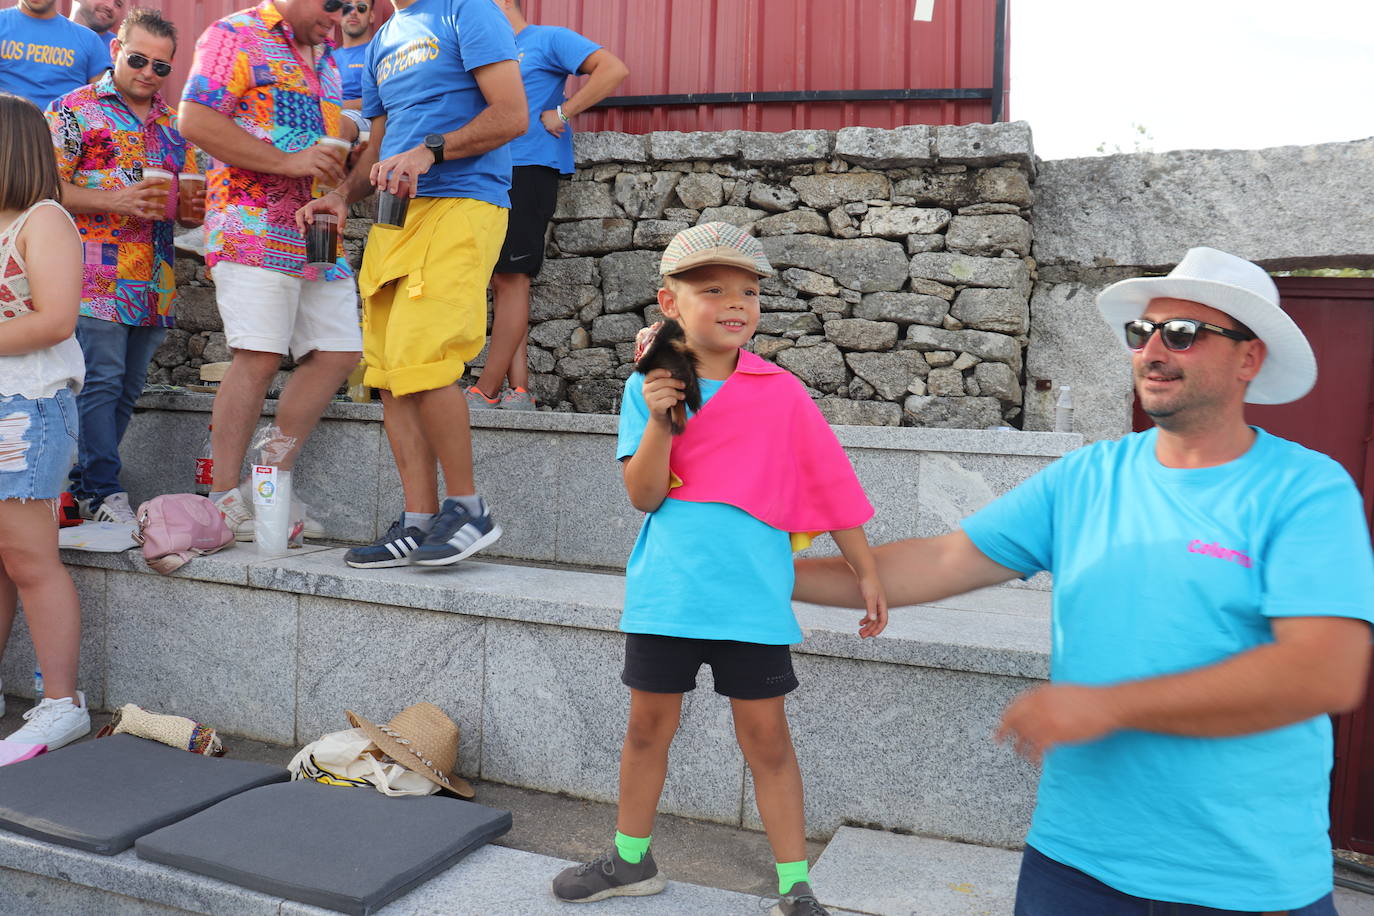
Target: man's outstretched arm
(913,571)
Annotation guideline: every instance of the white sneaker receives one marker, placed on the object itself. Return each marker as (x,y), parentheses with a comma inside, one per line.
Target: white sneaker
(55,722)
(115,508)
(238,514)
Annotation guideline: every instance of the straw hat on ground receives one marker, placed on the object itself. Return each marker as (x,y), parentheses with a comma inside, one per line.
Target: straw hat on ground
(422,739)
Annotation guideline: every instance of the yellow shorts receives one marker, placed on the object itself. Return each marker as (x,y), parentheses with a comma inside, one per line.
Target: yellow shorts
(424,292)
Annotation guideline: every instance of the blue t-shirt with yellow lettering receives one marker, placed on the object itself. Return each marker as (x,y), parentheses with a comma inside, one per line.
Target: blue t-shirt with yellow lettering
(352,62)
(1160,570)
(419,74)
(549,54)
(42,59)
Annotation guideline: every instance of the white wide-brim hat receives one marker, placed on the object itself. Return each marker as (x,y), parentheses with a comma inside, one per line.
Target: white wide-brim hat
(1240,289)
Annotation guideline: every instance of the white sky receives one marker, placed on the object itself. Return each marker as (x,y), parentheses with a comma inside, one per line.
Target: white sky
(1197,74)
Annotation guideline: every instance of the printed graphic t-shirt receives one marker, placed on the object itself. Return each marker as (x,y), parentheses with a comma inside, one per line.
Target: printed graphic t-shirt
(352,62)
(1160,570)
(704,570)
(419,75)
(42,59)
(548,56)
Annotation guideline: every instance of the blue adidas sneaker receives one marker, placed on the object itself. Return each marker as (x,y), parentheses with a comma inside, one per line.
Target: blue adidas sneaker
(457,534)
(391,549)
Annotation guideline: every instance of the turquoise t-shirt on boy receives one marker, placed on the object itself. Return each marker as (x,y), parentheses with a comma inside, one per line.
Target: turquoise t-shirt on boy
(419,74)
(704,570)
(1160,570)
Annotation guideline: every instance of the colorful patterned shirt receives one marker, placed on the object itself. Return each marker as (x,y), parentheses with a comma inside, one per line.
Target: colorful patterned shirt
(247,69)
(101,143)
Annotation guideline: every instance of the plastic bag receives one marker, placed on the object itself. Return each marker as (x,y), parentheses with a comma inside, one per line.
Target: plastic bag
(349,758)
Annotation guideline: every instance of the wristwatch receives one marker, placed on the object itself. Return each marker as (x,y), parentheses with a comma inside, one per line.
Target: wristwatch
(435,144)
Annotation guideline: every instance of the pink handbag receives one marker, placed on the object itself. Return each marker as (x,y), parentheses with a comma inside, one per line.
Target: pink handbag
(175,527)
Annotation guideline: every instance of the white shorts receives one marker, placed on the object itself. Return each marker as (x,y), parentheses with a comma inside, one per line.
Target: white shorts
(271,312)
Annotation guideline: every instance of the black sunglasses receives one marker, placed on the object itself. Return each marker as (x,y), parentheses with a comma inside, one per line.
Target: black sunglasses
(333,6)
(1175,333)
(139,61)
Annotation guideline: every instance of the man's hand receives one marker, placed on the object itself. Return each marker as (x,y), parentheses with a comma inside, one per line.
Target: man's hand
(137,200)
(317,161)
(402,170)
(332,202)
(552,122)
(1055,714)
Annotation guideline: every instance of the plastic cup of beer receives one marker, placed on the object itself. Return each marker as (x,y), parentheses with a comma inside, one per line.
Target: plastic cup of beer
(322,240)
(340,149)
(162,188)
(391,208)
(190,189)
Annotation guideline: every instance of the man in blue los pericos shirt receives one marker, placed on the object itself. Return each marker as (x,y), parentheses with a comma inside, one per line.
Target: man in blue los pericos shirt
(43,55)
(1213,590)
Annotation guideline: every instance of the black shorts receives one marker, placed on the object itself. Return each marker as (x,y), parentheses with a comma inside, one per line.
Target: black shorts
(742,670)
(533,198)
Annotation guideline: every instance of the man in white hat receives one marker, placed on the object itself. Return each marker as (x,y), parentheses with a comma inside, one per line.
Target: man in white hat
(1213,591)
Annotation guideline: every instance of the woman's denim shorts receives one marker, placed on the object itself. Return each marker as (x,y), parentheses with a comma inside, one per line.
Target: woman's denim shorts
(37,445)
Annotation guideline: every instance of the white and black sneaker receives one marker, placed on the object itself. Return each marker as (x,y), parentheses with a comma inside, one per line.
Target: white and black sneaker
(114,508)
(456,535)
(391,549)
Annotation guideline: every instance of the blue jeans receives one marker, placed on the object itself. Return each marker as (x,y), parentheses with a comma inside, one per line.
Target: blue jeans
(117,357)
(1050,888)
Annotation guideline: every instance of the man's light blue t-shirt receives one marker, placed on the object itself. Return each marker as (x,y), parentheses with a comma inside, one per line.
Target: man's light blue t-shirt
(1161,570)
(352,62)
(419,74)
(548,56)
(42,59)
(704,570)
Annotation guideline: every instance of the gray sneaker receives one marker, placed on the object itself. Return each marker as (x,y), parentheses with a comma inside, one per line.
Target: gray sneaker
(479,401)
(799,901)
(608,875)
(517,399)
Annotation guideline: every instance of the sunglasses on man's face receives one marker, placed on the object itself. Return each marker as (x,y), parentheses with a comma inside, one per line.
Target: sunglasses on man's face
(333,6)
(139,61)
(1175,333)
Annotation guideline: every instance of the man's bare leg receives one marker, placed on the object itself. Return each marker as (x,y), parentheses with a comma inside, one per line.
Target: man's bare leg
(414,458)
(313,384)
(510,320)
(238,404)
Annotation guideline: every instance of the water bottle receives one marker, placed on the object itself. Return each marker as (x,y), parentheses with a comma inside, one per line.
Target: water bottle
(205,466)
(1063,410)
(37,685)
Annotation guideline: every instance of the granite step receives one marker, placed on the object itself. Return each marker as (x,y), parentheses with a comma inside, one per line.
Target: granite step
(44,879)
(876,873)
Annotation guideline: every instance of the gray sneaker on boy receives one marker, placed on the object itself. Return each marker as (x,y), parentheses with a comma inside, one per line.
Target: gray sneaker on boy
(608,875)
(799,901)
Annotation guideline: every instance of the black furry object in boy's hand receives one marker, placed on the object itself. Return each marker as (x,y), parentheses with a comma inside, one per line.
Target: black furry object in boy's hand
(663,345)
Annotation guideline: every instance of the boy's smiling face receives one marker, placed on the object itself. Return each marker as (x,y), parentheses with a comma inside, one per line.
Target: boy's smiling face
(718,308)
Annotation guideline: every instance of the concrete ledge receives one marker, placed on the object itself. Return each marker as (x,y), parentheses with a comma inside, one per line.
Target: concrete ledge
(38,879)
(555,487)
(524,659)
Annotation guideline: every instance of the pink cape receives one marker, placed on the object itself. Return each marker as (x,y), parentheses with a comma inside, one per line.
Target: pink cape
(760,444)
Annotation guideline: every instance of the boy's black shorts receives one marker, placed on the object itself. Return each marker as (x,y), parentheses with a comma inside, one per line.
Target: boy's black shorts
(533,198)
(742,670)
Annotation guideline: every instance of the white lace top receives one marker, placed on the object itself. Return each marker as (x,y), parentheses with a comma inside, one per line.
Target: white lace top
(41,373)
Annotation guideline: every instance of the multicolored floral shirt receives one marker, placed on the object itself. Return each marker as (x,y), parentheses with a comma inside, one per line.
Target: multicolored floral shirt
(127,261)
(247,69)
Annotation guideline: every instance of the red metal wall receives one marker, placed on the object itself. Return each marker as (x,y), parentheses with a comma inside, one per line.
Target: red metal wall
(681,46)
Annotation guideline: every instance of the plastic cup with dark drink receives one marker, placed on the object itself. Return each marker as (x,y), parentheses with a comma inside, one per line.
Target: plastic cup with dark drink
(162,186)
(190,196)
(391,208)
(322,240)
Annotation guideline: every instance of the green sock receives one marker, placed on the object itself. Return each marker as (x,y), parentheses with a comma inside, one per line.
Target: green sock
(632,848)
(790,873)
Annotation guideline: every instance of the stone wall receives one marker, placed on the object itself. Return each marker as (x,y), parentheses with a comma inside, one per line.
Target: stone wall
(904,277)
